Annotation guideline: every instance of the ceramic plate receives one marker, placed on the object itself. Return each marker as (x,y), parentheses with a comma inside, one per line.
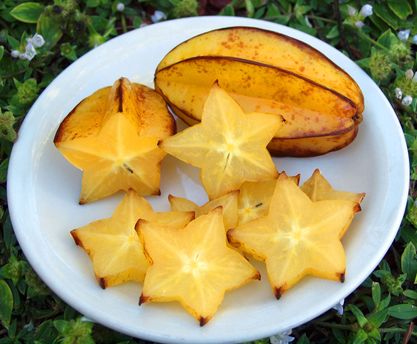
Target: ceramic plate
(43,194)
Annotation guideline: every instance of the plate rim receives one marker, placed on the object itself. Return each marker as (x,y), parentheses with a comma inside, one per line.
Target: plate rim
(14,183)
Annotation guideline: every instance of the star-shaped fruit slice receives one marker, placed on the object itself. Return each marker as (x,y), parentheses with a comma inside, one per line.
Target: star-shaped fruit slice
(228,203)
(113,244)
(255,197)
(297,237)
(192,265)
(112,136)
(228,145)
(319,189)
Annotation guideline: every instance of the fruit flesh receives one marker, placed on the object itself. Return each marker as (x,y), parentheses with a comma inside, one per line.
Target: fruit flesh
(298,237)
(112,137)
(228,145)
(113,244)
(228,202)
(192,265)
(269,48)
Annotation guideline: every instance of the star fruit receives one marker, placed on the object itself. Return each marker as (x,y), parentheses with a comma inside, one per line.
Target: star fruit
(112,136)
(255,197)
(228,202)
(229,146)
(298,237)
(192,265)
(319,189)
(113,244)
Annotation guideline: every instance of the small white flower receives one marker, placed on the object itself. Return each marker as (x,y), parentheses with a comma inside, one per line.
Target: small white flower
(29,53)
(120,7)
(37,40)
(282,338)
(415,39)
(359,24)
(398,93)
(157,16)
(409,74)
(407,100)
(403,34)
(15,53)
(339,306)
(366,10)
(352,10)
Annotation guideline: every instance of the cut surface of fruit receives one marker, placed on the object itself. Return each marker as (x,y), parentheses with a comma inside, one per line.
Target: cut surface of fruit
(255,198)
(270,48)
(192,265)
(114,140)
(297,237)
(228,202)
(228,145)
(319,189)
(113,244)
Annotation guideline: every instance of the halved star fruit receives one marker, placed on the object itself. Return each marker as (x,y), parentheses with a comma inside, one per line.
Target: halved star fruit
(229,146)
(319,189)
(255,197)
(113,244)
(192,265)
(297,237)
(228,203)
(112,137)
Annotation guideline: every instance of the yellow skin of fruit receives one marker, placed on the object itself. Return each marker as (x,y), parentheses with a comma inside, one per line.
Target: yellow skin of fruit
(192,265)
(229,146)
(228,202)
(112,137)
(298,237)
(269,48)
(113,244)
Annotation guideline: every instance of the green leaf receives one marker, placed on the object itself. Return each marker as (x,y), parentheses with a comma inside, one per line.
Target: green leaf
(1,52)
(227,11)
(361,319)
(378,318)
(401,8)
(303,339)
(411,294)
(385,302)
(250,8)
(333,33)
(388,39)
(28,12)
(403,311)
(360,337)
(376,293)
(3,170)
(409,262)
(50,28)
(6,304)
(386,15)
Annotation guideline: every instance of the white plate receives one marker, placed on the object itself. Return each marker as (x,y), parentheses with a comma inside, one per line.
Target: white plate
(43,192)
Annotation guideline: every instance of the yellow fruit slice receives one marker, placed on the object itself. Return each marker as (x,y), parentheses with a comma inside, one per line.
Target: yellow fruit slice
(229,146)
(319,189)
(297,237)
(270,48)
(255,198)
(113,244)
(192,265)
(228,202)
(112,137)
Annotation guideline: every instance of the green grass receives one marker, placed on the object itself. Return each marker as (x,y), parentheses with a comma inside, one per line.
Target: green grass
(380,310)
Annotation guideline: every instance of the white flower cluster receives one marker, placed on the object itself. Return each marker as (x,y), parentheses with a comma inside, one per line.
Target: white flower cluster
(282,338)
(364,12)
(407,99)
(30,49)
(120,7)
(404,35)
